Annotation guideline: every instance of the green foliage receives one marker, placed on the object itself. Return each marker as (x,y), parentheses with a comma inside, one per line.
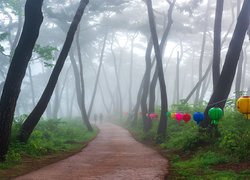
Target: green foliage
(193,152)
(47,53)
(50,136)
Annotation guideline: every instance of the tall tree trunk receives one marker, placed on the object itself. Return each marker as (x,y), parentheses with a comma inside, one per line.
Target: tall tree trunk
(161,132)
(240,64)
(79,92)
(59,95)
(117,80)
(198,84)
(245,66)
(178,78)
(108,86)
(147,122)
(239,76)
(82,84)
(217,41)
(16,73)
(131,75)
(206,85)
(19,28)
(162,46)
(222,90)
(202,50)
(32,87)
(97,76)
(55,105)
(32,120)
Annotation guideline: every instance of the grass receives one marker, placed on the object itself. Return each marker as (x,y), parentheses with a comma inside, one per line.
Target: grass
(196,155)
(51,141)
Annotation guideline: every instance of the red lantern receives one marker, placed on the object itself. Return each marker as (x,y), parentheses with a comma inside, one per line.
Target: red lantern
(186,117)
(153,116)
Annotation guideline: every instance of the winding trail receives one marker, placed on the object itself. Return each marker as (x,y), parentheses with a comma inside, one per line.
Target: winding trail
(113,155)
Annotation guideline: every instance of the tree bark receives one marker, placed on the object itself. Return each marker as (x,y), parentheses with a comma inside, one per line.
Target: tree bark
(147,122)
(117,80)
(161,132)
(217,41)
(202,51)
(222,90)
(162,46)
(32,120)
(97,76)
(16,73)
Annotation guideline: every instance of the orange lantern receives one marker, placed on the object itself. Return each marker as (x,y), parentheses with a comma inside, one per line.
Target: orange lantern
(173,115)
(243,105)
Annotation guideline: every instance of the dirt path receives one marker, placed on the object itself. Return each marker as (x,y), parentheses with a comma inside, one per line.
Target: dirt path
(113,155)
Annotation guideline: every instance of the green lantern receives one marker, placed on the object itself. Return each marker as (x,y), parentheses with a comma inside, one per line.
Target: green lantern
(215,114)
(168,114)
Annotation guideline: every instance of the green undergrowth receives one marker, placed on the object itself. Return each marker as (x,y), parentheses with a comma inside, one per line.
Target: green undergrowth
(51,136)
(194,154)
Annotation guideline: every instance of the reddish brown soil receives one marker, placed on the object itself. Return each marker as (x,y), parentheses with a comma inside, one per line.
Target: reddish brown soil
(113,155)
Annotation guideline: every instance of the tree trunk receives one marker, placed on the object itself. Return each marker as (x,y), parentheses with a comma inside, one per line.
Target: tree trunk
(147,122)
(217,41)
(79,92)
(162,46)
(82,84)
(32,87)
(222,90)
(19,28)
(97,76)
(32,120)
(117,80)
(16,73)
(202,51)
(245,66)
(131,76)
(239,76)
(108,86)
(198,84)
(161,132)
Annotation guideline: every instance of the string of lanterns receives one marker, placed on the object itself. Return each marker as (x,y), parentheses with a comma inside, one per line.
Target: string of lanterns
(214,113)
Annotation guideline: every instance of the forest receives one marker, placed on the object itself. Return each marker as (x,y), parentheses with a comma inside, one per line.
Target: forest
(79,74)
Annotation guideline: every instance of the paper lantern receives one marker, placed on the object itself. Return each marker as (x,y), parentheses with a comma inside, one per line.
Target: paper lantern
(186,117)
(243,105)
(153,115)
(215,114)
(173,115)
(198,117)
(178,116)
(168,114)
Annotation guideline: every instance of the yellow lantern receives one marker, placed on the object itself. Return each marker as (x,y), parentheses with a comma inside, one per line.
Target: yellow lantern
(243,105)
(173,115)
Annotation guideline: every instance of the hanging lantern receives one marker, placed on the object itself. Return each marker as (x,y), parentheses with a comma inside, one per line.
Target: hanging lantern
(243,105)
(153,115)
(198,117)
(178,116)
(186,117)
(173,115)
(168,114)
(215,114)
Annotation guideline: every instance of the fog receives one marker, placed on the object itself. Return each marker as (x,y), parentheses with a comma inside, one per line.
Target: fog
(126,25)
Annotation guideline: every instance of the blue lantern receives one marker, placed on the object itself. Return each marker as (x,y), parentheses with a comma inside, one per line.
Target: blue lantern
(198,117)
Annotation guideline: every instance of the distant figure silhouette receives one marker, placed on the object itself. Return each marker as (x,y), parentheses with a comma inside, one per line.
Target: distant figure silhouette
(101,117)
(95,117)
